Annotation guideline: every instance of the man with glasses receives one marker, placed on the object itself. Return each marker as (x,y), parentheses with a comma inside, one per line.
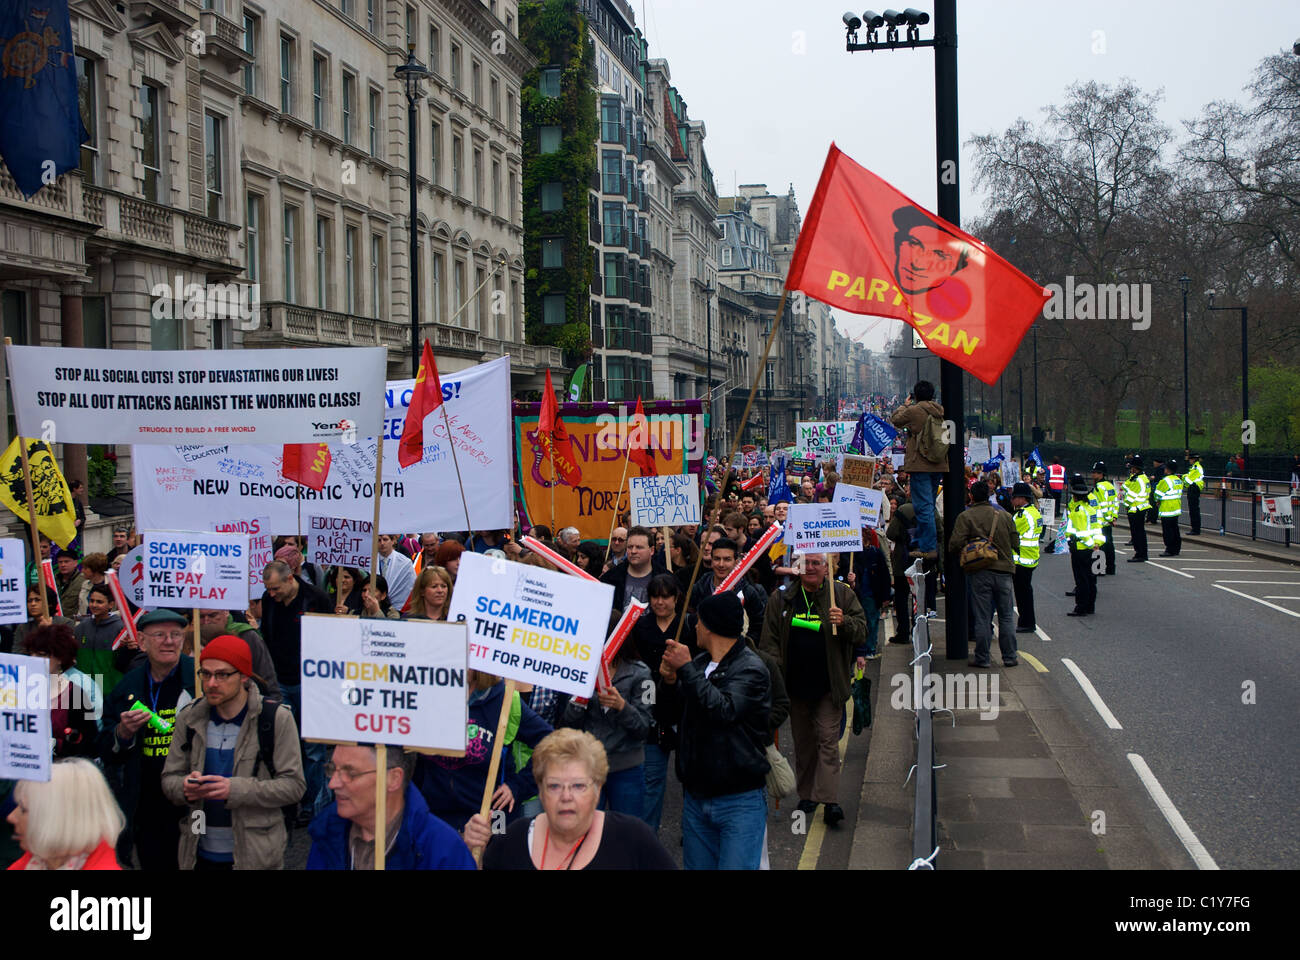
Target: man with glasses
(233,789)
(343,836)
(133,742)
(815,628)
(617,546)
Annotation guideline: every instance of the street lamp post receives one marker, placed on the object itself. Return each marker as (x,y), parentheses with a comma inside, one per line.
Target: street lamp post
(708,336)
(1245,382)
(767,426)
(411,73)
(1186,283)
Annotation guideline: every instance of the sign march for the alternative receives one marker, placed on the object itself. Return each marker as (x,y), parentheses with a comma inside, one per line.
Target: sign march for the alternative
(823,528)
(532,624)
(338,542)
(189,569)
(823,438)
(75,395)
(24,718)
(670,500)
(13,582)
(396,682)
(868,501)
(175,483)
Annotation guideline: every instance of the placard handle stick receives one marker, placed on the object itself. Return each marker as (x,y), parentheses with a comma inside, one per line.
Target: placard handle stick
(198,652)
(833,560)
(374,527)
(668,548)
(613,521)
(31,514)
(381,797)
(489,786)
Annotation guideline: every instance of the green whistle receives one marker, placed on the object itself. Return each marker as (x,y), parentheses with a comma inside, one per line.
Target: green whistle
(155,721)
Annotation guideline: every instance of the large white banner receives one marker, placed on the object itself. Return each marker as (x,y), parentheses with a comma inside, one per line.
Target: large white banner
(397,682)
(823,438)
(74,395)
(532,624)
(229,484)
(13,581)
(24,718)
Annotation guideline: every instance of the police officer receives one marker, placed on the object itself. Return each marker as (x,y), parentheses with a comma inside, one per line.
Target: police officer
(1195,483)
(1137,500)
(1153,475)
(1029,530)
(1169,504)
(1083,527)
(1107,498)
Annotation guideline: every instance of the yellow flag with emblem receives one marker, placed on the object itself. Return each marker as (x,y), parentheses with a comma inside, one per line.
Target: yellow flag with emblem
(55,515)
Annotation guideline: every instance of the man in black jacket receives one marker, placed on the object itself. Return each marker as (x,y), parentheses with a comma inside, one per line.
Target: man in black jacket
(723,560)
(724,699)
(631,579)
(134,750)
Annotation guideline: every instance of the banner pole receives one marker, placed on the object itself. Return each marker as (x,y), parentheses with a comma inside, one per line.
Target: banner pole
(381,798)
(552,451)
(760,369)
(833,560)
(489,786)
(374,528)
(668,549)
(614,520)
(198,650)
(456,463)
(31,514)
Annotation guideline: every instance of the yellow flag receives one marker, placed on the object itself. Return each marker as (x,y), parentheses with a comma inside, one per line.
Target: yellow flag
(55,516)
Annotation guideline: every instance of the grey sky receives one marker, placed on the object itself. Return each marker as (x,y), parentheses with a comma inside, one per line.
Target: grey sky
(771,112)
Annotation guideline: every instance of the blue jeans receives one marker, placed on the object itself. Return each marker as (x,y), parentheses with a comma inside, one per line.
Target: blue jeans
(314,756)
(625,791)
(923,488)
(656,777)
(724,833)
(873,622)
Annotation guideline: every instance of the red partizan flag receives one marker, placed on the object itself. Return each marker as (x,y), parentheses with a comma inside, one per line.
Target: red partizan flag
(638,443)
(866,248)
(307,463)
(554,438)
(426,397)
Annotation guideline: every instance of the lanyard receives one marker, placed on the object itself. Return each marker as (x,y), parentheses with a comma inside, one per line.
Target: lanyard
(155,693)
(570,856)
(806,602)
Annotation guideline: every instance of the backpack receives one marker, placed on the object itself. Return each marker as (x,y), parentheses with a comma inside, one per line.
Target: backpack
(930,443)
(265,753)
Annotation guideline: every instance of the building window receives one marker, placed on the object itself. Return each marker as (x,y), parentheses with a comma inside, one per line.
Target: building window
(460,293)
(349,8)
(476,82)
(455,65)
(435,151)
(550,140)
(290,254)
(548,82)
(253,236)
(214,145)
(435,47)
(722,224)
(438,270)
(457,146)
(611,172)
(371,21)
(349,104)
(377,275)
(726,256)
(553,309)
(88,101)
(287,55)
(496,187)
(252,40)
(552,196)
(494,104)
(165,333)
(323,269)
(614,225)
(410,25)
(150,127)
(94,323)
(319,82)
(604,66)
(478,177)
(593,219)
(480,278)
(351,266)
(374,123)
(553,253)
(510,112)
(512,186)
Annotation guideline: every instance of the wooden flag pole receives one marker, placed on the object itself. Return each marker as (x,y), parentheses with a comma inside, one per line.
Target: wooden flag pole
(552,450)
(374,530)
(489,786)
(832,559)
(668,549)
(614,520)
(31,516)
(381,798)
(463,502)
(198,652)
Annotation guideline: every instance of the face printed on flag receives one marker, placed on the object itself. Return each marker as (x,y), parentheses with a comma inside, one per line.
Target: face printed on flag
(867,248)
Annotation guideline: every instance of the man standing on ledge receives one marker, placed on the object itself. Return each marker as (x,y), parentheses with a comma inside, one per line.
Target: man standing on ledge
(925,470)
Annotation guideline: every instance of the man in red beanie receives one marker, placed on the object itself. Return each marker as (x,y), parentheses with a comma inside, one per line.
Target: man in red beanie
(233,785)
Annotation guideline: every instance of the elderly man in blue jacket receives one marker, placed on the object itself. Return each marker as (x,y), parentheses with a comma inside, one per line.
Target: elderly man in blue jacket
(343,835)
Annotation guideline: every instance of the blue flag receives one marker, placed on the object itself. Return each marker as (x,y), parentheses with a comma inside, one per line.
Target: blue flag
(40,121)
(1035,459)
(877,433)
(778,491)
(991,465)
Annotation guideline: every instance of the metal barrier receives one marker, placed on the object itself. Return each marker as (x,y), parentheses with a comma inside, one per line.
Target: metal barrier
(925,830)
(1235,503)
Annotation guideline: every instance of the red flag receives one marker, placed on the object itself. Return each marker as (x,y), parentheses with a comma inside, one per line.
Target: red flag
(638,443)
(753,482)
(425,398)
(554,438)
(307,463)
(866,248)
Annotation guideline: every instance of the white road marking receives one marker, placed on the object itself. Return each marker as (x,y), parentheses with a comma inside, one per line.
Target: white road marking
(1271,597)
(1152,563)
(1092,694)
(1200,856)
(1217,560)
(1041,635)
(1257,600)
(1289,583)
(1229,570)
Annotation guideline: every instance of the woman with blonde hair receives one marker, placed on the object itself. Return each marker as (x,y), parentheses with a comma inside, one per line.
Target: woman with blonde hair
(69,822)
(431,596)
(570,833)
